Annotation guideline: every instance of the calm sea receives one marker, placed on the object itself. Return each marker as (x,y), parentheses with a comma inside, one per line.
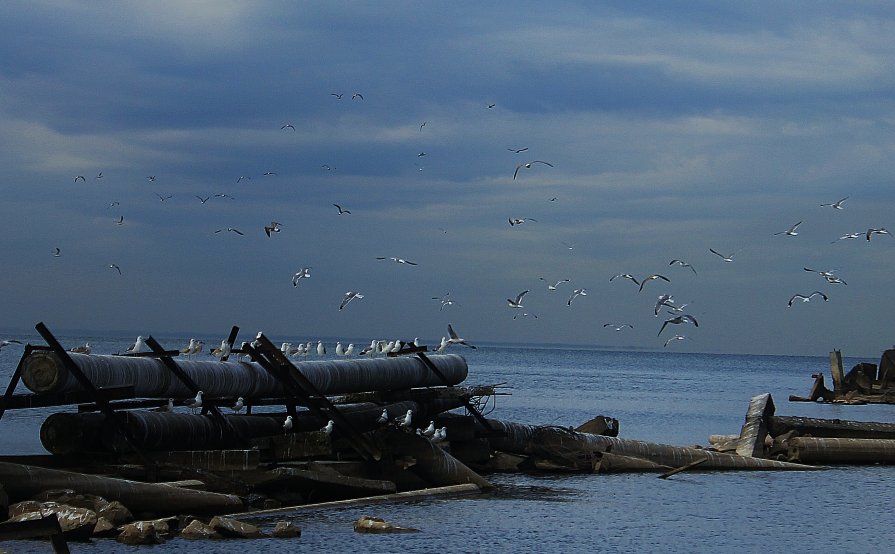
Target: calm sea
(667,397)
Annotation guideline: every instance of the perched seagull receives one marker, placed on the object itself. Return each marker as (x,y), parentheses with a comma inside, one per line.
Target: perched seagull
(624,276)
(664,300)
(686,318)
(553,286)
(197,348)
(682,264)
(348,297)
(653,277)
(398,260)
(169,407)
(115,267)
(520,220)
(189,347)
(222,351)
(455,339)
(163,198)
(5,342)
(407,420)
(350,350)
(321,349)
(728,258)
(274,227)
(83,349)
(880,231)
(302,273)
(341,211)
(527,165)
(240,404)
(57,252)
(524,314)
(440,435)
(618,327)
(674,338)
(81,177)
(808,298)
(791,231)
(195,403)
(369,349)
(287,425)
(575,294)
(837,205)
(383,417)
(202,200)
(517,302)
(138,346)
(120,220)
(340,350)
(328,428)
(517,150)
(430,430)
(288,126)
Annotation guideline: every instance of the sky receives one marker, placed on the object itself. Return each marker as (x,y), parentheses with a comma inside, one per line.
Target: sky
(671,128)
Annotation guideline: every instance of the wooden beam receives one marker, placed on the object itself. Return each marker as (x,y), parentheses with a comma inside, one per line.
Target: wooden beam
(836,370)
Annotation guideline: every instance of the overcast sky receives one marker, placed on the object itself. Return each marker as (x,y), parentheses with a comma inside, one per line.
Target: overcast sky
(671,127)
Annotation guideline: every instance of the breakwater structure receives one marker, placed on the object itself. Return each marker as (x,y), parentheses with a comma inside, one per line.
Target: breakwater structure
(865,383)
(160,436)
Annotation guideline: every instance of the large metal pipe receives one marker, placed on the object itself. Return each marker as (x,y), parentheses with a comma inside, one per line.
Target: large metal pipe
(824,450)
(44,372)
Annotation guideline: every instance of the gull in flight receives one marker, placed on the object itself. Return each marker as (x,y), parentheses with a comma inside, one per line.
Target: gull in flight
(837,205)
(445,301)
(880,231)
(302,273)
(653,277)
(269,173)
(115,267)
(120,220)
(99,175)
(4,343)
(150,178)
(674,338)
(202,200)
(524,314)
(791,231)
(618,327)
(288,126)
(625,276)
(337,95)
(57,253)
(825,274)
(341,211)
(357,95)
(274,227)
(241,177)
(227,195)
(727,258)
(553,286)
(348,297)
(491,106)
(857,235)
(520,220)
(686,318)
(398,260)
(663,300)
(808,298)
(423,125)
(517,302)
(163,198)
(682,263)
(81,177)
(113,204)
(527,165)
(575,294)
(517,150)
(455,338)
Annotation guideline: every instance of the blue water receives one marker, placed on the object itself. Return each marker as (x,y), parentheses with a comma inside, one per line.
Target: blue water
(668,397)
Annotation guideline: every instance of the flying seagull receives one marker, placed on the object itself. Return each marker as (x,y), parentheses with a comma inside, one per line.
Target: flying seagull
(727,258)
(618,327)
(808,298)
(120,220)
(837,205)
(338,96)
(357,95)
(880,231)
(423,125)
(517,150)
(268,173)
(527,165)
(791,231)
(5,342)
(517,302)
(663,300)
(341,211)
(848,236)
(575,294)
(163,198)
(115,267)
(288,126)
(274,227)
(652,277)
(520,220)
(348,297)
(674,338)
(57,252)
(624,276)
(81,177)
(150,178)
(202,200)
(524,314)
(682,263)
(455,338)
(686,318)
(398,260)
(302,273)
(553,286)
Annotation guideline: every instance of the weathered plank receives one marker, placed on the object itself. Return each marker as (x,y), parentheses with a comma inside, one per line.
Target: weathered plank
(755,429)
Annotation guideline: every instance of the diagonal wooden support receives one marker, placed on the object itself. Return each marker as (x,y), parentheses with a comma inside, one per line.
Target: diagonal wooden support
(190,384)
(273,360)
(465,399)
(14,381)
(101,400)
